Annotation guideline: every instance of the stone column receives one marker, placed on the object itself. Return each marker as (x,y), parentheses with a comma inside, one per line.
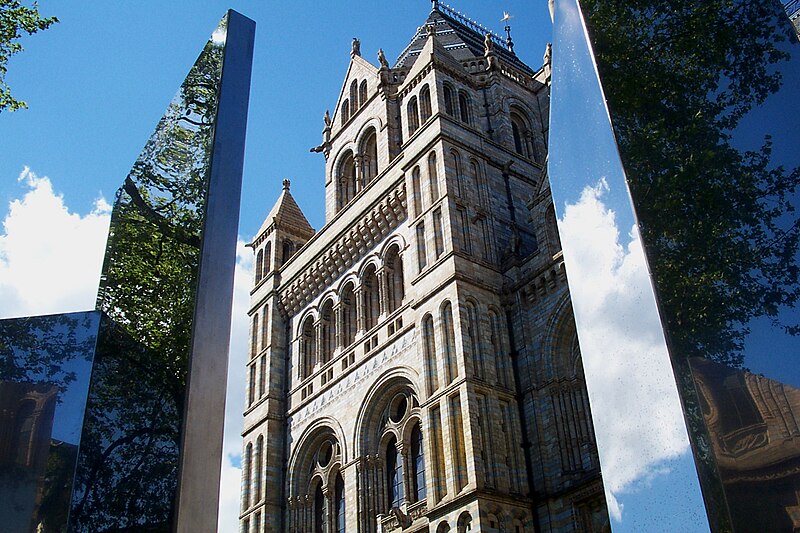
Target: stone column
(328,511)
(360,499)
(358,185)
(338,321)
(318,348)
(403,455)
(381,481)
(527,138)
(360,308)
(383,292)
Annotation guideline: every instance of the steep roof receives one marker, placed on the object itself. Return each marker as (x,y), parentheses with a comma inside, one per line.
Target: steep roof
(460,36)
(287,216)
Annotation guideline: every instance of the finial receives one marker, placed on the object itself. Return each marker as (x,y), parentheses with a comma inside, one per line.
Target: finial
(286,184)
(356,47)
(382,59)
(509,42)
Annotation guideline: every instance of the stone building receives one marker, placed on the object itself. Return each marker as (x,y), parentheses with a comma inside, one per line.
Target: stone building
(414,364)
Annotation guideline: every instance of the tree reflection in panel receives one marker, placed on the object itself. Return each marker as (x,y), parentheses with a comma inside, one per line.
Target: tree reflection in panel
(699,96)
(127,472)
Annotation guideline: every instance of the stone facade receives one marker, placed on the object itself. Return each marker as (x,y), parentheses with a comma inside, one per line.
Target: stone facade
(414,364)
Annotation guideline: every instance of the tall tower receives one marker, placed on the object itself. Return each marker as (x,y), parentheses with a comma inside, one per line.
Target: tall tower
(414,363)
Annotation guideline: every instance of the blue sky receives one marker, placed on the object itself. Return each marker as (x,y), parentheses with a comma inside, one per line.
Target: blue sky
(98,82)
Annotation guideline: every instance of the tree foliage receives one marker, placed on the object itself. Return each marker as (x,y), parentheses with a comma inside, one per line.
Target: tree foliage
(16,19)
(719,222)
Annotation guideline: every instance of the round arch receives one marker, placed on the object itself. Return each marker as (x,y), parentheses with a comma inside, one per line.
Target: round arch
(376,400)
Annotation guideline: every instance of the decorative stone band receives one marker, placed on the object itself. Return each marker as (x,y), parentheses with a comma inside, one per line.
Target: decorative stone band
(345,251)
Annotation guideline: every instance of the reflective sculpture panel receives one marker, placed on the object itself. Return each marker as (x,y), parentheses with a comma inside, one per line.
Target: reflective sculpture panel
(690,193)
(115,416)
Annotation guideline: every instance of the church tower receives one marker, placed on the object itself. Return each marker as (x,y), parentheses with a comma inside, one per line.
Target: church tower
(414,363)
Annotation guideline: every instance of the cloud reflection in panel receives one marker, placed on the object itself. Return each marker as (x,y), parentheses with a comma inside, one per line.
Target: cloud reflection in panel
(646,463)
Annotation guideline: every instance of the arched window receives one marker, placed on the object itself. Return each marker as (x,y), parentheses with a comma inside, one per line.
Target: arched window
(267,260)
(425,103)
(395,290)
(449,108)
(438,233)
(259,462)
(339,500)
(429,348)
(254,336)
(413,115)
(259,265)
(464,108)
(417,465)
(500,357)
(345,111)
(24,431)
(328,325)
(369,157)
(288,250)
(362,93)
(247,469)
(449,342)
(371,296)
(262,376)
(477,182)
(433,177)
(455,160)
(316,484)
(319,510)
(349,318)
(394,475)
(346,177)
(309,344)
(473,333)
(354,95)
(251,384)
(265,328)
(464,522)
(521,133)
(416,193)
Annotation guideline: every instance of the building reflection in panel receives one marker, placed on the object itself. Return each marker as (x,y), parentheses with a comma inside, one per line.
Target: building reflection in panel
(45,369)
(699,96)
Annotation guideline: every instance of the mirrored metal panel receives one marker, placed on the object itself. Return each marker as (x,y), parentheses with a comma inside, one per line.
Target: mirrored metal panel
(45,370)
(698,96)
(133,393)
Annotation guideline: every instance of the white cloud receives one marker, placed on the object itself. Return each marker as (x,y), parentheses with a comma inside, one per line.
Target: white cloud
(634,401)
(234,405)
(50,258)
(50,262)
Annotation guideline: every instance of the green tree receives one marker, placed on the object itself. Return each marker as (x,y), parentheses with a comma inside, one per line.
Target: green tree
(16,19)
(719,222)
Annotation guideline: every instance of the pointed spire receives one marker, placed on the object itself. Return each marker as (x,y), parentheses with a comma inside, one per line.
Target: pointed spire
(287,216)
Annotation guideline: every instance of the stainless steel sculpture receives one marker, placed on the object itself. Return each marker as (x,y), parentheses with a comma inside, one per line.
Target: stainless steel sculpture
(675,175)
(115,416)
